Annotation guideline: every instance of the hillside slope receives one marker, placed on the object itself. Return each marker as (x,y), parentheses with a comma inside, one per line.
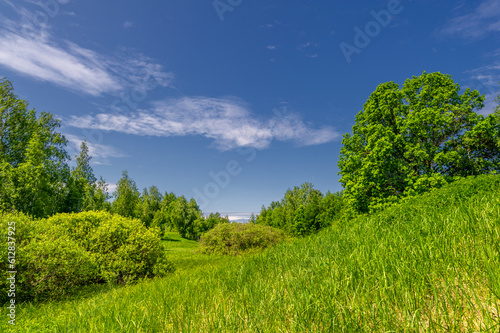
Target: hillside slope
(432,264)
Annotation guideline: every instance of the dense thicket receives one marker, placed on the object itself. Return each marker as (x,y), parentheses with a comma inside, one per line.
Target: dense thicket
(409,140)
(302,211)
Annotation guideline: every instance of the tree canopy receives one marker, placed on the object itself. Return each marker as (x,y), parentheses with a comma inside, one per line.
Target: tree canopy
(407,140)
(34,174)
(33,161)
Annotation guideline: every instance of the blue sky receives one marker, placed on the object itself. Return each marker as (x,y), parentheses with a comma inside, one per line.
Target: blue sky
(232,101)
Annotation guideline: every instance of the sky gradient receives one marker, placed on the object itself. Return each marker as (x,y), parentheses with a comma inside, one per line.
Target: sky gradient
(232,102)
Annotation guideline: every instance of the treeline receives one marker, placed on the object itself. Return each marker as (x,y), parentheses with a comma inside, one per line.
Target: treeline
(164,211)
(302,211)
(35,177)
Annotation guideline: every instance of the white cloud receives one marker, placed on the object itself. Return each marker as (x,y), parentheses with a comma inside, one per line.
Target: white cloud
(33,51)
(485,19)
(112,188)
(227,121)
(46,62)
(128,24)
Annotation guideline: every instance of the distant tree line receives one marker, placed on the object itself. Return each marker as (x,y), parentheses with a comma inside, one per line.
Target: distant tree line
(164,211)
(303,210)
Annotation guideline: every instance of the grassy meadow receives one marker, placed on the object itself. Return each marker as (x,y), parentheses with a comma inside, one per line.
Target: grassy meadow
(431,264)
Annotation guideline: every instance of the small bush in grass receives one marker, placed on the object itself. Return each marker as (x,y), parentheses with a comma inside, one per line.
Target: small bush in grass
(235,238)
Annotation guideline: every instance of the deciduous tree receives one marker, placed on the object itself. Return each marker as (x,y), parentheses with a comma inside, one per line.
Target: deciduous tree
(33,162)
(406,141)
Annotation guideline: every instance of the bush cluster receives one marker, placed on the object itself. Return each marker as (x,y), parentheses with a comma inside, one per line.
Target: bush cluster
(55,255)
(235,238)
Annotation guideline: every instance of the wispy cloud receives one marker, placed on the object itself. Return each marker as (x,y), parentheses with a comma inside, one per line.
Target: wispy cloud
(36,53)
(227,121)
(309,48)
(68,68)
(486,80)
(483,20)
(100,153)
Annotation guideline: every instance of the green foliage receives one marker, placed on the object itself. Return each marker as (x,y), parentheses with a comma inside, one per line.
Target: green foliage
(39,181)
(48,263)
(409,140)
(52,265)
(236,238)
(186,255)
(186,218)
(34,175)
(123,249)
(207,223)
(33,169)
(85,191)
(330,210)
(163,212)
(302,211)
(56,255)
(127,197)
(149,205)
(161,218)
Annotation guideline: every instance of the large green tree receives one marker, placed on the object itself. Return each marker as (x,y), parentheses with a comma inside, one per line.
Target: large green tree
(33,162)
(410,139)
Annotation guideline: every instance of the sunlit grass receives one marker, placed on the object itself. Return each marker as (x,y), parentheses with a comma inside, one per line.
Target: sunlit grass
(430,265)
(185,255)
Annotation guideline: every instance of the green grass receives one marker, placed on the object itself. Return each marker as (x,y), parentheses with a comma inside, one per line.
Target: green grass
(429,265)
(185,255)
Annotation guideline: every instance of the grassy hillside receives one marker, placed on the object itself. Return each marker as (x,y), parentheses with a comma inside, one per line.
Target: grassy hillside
(432,264)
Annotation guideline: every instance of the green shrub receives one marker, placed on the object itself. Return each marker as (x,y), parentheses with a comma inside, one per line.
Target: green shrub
(55,255)
(123,249)
(235,238)
(54,266)
(22,235)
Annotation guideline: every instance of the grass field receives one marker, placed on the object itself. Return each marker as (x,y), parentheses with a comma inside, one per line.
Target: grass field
(428,265)
(184,254)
